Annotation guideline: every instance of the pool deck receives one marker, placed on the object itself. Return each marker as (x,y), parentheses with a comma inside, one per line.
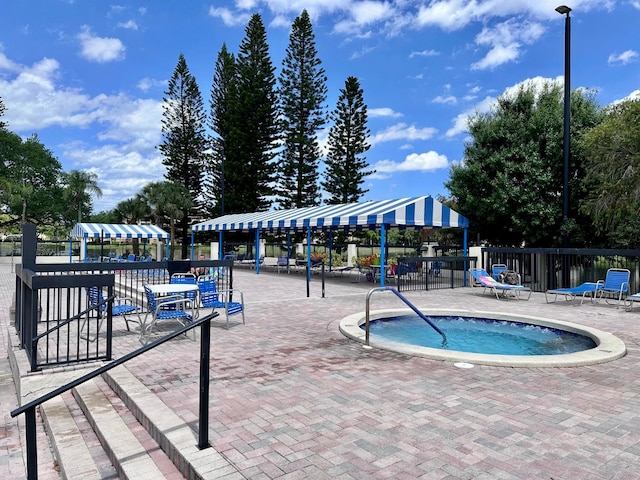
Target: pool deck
(292,398)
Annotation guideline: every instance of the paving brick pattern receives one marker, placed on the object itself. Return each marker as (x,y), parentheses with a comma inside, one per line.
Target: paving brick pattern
(292,398)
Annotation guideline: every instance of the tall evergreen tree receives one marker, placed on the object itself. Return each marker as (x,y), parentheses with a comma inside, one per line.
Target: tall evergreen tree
(303,92)
(3,124)
(250,149)
(222,104)
(346,167)
(185,141)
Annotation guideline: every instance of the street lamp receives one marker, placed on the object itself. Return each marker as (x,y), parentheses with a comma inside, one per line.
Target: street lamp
(566,145)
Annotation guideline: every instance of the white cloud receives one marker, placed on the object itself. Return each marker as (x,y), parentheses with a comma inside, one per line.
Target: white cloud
(402,131)
(7,64)
(228,17)
(460,121)
(636,4)
(623,58)
(129,25)
(424,53)
(382,112)
(414,162)
(122,170)
(457,14)
(99,49)
(451,100)
(635,95)
(148,83)
(505,40)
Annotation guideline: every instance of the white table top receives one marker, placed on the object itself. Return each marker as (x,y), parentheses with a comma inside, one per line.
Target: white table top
(166,288)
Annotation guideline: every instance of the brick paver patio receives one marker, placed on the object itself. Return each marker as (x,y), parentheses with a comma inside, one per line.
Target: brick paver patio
(293,398)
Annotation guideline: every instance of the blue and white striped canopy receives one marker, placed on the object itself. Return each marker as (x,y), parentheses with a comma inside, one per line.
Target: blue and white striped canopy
(116,230)
(415,212)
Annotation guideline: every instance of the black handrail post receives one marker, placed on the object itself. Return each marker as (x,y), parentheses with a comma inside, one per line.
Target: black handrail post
(323,280)
(205,345)
(30,439)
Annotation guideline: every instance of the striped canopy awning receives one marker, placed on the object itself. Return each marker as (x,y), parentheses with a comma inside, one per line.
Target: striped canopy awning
(415,212)
(117,230)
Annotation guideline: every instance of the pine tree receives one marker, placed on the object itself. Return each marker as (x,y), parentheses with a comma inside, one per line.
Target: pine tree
(303,92)
(185,142)
(346,167)
(249,151)
(3,124)
(222,104)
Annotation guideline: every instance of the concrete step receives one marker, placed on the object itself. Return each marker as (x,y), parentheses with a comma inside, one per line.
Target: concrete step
(70,449)
(128,455)
(174,436)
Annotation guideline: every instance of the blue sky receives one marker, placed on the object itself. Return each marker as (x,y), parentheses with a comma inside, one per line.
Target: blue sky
(88,76)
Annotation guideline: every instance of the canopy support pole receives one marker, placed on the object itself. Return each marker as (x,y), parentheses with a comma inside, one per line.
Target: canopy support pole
(257,251)
(308,259)
(382,253)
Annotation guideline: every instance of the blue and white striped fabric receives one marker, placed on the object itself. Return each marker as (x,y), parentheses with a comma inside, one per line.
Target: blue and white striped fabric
(415,212)
(115,230)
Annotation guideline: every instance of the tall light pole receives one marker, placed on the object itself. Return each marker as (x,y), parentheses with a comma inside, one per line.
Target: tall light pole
(566,145)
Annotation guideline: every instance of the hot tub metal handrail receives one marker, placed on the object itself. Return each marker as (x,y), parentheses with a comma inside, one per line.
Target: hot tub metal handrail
(407,302)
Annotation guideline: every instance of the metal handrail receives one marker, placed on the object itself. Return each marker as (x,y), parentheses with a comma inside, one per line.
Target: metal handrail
(29,409)
(407,302)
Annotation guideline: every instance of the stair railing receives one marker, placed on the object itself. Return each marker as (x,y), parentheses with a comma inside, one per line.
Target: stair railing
(407,302)
(29,409)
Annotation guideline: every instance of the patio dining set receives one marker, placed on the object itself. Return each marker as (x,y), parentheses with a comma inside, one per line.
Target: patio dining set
(179,301)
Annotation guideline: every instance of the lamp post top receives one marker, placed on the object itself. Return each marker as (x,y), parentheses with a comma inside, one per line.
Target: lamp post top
(563,10)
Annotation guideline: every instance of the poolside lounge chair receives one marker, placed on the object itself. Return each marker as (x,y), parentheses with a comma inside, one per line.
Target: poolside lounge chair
(571,294)
(630,300)
(435,268)
(283,262)
(615,286)
(497,269)
(500,290)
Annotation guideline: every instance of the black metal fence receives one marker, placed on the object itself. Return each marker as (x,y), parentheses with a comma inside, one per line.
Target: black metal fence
(54,319)
(430,273)
(546,268)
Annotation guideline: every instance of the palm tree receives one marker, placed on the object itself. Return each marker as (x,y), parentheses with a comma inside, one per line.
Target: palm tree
(169,200)
(132,211)
(79,186)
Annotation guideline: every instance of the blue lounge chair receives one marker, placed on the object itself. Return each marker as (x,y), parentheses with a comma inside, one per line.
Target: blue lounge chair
(571,294)
(435,268)
(211,297)
(497,269)
(615,286)
(630,300)
(500,290)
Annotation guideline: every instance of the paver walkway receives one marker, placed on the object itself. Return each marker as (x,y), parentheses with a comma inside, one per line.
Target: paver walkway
(292,398)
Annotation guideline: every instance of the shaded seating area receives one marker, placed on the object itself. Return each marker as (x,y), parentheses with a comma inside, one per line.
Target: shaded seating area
(571,294)
(211,297)
(480,278)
